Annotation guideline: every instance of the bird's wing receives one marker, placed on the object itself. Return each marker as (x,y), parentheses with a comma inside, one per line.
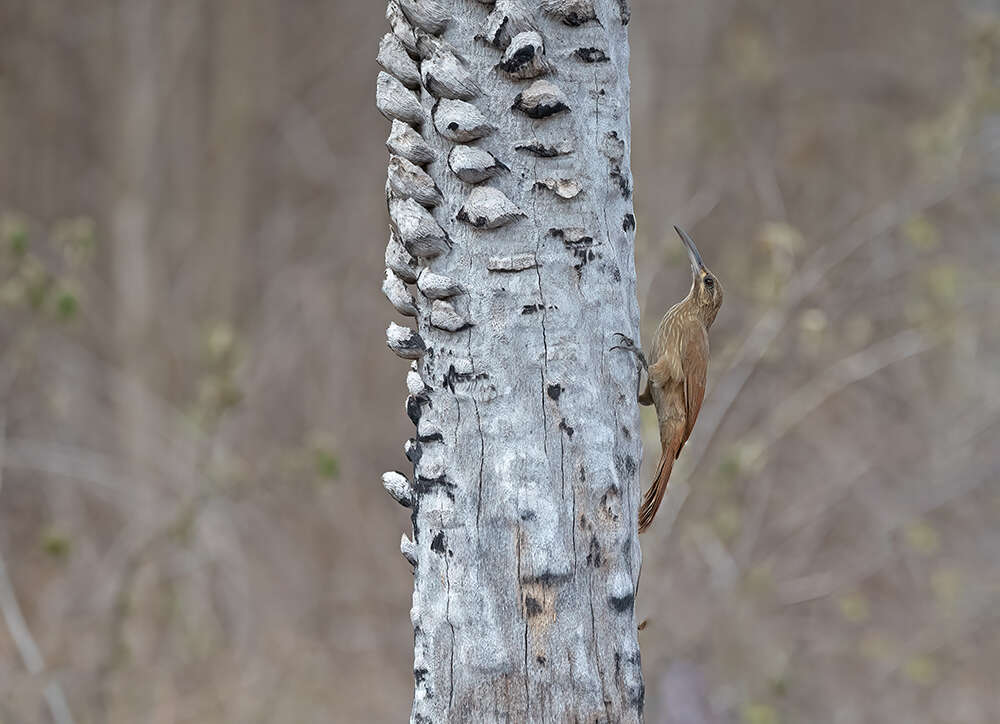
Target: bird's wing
(660,372)
(667,368)
(694,361)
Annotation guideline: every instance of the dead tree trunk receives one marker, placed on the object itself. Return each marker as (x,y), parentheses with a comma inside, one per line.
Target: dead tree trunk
(509,197)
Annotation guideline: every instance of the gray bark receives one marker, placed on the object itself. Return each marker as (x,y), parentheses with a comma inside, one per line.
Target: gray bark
(513,249)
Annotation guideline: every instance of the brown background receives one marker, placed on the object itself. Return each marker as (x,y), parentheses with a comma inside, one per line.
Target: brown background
(197,403)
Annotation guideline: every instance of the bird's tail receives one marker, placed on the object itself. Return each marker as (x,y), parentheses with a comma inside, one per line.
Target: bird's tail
(654,494)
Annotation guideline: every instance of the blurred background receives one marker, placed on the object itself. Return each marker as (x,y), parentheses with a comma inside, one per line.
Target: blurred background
(196,403)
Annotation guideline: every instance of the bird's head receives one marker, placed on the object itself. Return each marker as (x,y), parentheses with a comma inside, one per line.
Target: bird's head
(706,289)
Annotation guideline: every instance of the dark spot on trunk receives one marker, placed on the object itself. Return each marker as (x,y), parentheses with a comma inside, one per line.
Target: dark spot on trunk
(414,407)
(419,675)
(542,110)
(479,221)
(623,183)
(594,556)
(528,515)
(571,242)
(621,604)
(500,29)
(412,342)
(433,437)
(577,243)
(555,391)
(541,660)
(531,606)
(414,451)
(626,465)
(628,223)
(413,518)
(612,492)
(451,377)
(423,485)
(521,58)
(547,578)
(566,428)
(591,55)
(541,150)
(624,11)
(531,308)
(574,20)
(437,544)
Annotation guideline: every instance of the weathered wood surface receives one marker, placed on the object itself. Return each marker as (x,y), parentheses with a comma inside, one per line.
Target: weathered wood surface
(526,448)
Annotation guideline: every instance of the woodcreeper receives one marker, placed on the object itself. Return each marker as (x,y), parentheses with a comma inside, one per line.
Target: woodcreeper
(676,371)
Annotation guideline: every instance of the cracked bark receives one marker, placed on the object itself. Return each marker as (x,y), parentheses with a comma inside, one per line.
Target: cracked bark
(527,426)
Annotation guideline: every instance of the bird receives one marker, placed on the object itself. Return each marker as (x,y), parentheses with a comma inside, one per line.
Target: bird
(676,371)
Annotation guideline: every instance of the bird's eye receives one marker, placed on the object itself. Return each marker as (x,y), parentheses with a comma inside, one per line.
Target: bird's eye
(709,282)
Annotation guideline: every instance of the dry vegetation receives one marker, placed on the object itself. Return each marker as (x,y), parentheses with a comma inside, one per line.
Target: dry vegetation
(196,403)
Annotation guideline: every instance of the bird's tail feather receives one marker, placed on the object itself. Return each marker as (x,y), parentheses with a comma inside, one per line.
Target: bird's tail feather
(654,494)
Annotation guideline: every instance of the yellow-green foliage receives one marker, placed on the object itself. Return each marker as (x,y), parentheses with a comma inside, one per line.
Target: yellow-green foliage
(760,714)
(922,537)
(854,607)
(38,270)
(55,543)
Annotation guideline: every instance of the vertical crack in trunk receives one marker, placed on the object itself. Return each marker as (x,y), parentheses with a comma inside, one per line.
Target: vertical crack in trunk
(451,657)
(482,463)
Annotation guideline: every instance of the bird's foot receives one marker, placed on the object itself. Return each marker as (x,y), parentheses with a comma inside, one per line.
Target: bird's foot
(629,345)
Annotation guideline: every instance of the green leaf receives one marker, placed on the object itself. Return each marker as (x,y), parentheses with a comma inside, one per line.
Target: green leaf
(67,304)
(55,543)
(327,465)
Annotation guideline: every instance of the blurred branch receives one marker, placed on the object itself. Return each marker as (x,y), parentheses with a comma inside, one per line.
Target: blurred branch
(959,434)
(935,638)
(75,463)
(764,177)
(810,396)
(821,585)
(136,544)
(842,373)
(134,557)
(31,655)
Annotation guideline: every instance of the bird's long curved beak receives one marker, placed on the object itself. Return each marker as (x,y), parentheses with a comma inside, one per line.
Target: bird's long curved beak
(696,263)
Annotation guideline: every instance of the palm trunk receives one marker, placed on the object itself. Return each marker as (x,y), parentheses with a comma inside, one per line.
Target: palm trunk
(510,203)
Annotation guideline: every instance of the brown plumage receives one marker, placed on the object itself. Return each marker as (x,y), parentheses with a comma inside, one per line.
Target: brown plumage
(677,370)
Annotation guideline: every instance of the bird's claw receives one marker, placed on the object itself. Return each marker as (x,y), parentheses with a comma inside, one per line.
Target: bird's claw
(628,344)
